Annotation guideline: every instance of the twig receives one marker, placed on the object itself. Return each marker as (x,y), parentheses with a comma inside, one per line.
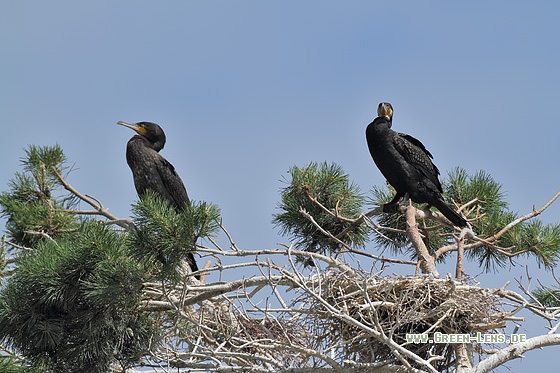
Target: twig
(41,234)
(382,258)
(93,202)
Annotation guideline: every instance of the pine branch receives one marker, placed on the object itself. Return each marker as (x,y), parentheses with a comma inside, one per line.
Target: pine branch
(490,241)
(352,250)
(528,216)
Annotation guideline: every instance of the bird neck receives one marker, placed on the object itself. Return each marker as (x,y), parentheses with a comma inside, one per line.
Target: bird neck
(141,141)
(389,121)
(379,126)
(157,145)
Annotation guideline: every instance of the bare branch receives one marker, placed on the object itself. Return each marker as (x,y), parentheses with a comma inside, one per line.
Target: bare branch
(40,234)
(351,249)
(426,261)
(382,258)
(93,202)
(515,351)
(460,257)
(528,216)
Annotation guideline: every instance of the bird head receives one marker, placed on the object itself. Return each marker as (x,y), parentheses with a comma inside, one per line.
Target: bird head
(151,131)
(385,110)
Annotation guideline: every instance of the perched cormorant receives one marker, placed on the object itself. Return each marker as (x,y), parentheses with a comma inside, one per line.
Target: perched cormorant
(151,171)
(407,165)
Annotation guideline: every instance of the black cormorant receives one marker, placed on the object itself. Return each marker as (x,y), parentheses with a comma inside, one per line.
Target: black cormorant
(151,171)
(407,165)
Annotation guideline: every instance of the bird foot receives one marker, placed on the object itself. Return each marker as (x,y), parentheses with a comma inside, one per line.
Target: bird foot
(391,208)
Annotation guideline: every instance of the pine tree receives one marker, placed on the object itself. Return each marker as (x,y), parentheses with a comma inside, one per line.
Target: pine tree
(73,303)
(318,199)
(35,206)
(80,294)
(73,298)
(321,209)
(163,238)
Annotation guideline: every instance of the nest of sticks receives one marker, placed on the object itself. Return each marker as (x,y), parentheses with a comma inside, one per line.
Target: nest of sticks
(342,315)
(251,338)
(397,306)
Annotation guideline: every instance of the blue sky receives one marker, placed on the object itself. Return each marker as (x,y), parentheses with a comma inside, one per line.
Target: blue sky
(246,89)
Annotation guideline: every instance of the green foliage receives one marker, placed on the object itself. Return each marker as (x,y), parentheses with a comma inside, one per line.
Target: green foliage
(333,202)
(549,297)
(534,238)
(489,214)
(32,204)
(9,364)
(462,188)
(164,236)
(74,300)
(393,240)
(487,211)
(73,303)
(330,187)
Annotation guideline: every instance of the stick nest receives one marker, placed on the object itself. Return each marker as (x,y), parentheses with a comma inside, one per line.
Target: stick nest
(353,318)
(252,337)
(396,306)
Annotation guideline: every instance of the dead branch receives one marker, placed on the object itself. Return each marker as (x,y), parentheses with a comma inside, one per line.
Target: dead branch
(515,351)
(208,291)
(93,202)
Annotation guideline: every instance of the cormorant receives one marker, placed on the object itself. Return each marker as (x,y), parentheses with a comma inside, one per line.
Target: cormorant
(407,165)
(151,171)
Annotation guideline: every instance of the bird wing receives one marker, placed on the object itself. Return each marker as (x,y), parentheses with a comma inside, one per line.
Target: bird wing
(418,156)
(172,184)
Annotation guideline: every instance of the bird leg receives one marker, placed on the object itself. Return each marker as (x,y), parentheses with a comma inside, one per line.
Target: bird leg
(406,199)
(394,206)
(391,208)
(426,209)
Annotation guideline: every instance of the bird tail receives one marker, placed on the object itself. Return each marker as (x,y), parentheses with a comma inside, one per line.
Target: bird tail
(192,264)
(450,214)
(190,260)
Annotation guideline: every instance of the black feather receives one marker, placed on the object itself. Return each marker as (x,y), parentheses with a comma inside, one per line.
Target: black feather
(151,171)
(407,165)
